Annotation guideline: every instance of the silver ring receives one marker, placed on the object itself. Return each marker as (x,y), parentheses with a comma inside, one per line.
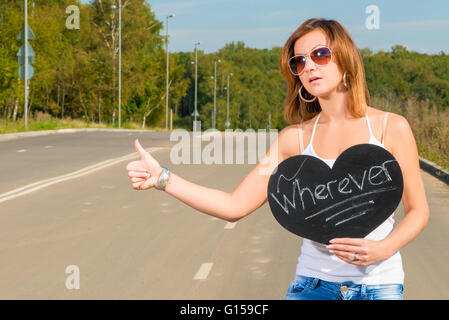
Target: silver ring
(353,258)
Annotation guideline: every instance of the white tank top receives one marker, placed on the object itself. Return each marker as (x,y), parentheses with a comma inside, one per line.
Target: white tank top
(316,260)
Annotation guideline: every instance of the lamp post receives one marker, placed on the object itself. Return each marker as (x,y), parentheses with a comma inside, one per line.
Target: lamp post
(25,31)
(215,92)
(119,59)
(196,78)
(227,124)
(166,78)
(120,63)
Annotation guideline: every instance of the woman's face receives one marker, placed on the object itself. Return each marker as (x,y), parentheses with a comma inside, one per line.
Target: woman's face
(330,74)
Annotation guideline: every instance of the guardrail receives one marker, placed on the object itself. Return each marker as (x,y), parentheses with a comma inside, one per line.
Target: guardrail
(434,170)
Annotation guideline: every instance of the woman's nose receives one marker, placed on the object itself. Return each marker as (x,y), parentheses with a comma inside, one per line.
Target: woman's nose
(310,65)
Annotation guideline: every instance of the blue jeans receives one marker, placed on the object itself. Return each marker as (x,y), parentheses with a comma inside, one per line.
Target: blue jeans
(306,288)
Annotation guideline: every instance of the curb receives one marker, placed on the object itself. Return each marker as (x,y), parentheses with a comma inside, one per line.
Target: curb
(15,135)
(434,170)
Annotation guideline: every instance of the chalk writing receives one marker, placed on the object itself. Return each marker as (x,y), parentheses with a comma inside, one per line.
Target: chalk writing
(317,192)
(351,218)
(349,199)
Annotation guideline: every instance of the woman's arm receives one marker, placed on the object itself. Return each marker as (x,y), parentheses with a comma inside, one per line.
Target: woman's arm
(249,195)
(416,210)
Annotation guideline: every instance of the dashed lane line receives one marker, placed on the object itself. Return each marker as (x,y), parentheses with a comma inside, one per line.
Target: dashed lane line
(203,272)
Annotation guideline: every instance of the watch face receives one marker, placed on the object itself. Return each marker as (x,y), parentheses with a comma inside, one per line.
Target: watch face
(163,179)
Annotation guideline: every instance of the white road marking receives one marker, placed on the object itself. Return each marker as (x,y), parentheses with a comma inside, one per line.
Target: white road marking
(203,272)
(76,174)
(21,150)
(230,225)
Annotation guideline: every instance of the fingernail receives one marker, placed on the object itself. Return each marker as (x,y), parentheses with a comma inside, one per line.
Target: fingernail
(331,251)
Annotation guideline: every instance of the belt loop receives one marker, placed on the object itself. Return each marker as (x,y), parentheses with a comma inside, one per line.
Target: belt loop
(363,291)
(314,283)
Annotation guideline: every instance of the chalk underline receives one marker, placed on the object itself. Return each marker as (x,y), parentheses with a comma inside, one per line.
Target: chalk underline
(349,199)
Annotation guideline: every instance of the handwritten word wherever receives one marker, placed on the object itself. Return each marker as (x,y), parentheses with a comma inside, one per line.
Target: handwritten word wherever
(374,176)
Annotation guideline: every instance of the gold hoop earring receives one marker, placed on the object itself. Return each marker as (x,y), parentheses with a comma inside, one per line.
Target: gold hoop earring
(344,80)
(301,97)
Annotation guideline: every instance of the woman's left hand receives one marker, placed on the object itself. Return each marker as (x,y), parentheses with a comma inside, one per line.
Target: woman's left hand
(360,252)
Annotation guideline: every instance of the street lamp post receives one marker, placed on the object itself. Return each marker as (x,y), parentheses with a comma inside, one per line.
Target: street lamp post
(215,93)
(120,63)
(196,78)
(227,104)
(25,32)
(119,59)
(166,78)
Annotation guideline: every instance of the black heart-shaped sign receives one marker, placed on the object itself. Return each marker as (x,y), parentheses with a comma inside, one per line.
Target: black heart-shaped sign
(361,191)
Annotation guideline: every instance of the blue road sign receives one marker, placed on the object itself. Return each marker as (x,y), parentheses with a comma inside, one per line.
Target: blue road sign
(31,35)
(21,59)
(21,52)
(29,74)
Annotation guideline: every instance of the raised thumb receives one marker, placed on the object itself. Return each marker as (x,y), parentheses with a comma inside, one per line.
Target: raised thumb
(140,149)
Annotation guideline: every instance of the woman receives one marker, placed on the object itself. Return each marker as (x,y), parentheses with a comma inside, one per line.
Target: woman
(327,106)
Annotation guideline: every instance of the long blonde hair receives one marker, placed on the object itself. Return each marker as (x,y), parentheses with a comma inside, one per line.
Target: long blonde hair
(348,59)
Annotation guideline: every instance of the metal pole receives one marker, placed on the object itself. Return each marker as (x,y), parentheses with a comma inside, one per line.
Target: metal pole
(166,78)
(269,120)
(215,92)
(227,116)
(25,29)
(119,61)
(196,78)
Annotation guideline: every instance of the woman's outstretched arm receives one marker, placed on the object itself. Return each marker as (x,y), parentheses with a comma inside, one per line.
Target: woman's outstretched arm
(249,195)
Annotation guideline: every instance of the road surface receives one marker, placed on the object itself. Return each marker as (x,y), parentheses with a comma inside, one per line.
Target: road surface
(66,200)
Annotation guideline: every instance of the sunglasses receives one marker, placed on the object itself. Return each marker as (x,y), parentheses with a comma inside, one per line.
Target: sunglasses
(321,56)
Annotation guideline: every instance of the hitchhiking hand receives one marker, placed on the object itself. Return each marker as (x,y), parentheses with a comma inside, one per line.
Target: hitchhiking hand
(145,172)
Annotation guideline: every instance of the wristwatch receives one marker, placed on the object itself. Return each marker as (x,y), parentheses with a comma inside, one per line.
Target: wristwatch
(163,179)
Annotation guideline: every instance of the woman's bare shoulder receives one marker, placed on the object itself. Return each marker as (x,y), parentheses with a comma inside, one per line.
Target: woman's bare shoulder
(289,137)
(374,113)
(396,126)
(392,120)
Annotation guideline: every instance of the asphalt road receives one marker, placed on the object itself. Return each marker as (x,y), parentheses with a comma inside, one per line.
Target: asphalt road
(131,244)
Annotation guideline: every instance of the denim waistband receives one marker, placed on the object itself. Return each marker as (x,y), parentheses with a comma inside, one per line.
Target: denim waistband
(342,287)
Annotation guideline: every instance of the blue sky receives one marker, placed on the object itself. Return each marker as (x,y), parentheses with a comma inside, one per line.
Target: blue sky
(422,26)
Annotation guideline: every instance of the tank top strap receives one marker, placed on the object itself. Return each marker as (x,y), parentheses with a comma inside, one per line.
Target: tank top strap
(314,127)
(369,126)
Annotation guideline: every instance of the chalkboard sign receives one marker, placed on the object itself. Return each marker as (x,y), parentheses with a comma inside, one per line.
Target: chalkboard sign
(351,199)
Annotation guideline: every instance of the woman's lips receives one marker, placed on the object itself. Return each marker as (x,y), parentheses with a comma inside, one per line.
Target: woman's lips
(315,80)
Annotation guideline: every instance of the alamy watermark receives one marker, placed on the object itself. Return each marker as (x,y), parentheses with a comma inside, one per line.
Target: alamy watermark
(373,20)
(220,148)
(73,280)
(73,20)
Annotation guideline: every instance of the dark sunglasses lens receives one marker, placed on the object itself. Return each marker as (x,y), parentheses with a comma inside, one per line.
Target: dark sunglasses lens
(321,56)
(297,64)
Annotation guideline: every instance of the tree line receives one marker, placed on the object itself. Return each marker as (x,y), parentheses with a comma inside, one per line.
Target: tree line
(76,71)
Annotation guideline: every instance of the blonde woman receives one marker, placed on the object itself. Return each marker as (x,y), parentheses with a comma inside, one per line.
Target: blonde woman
(327,106)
